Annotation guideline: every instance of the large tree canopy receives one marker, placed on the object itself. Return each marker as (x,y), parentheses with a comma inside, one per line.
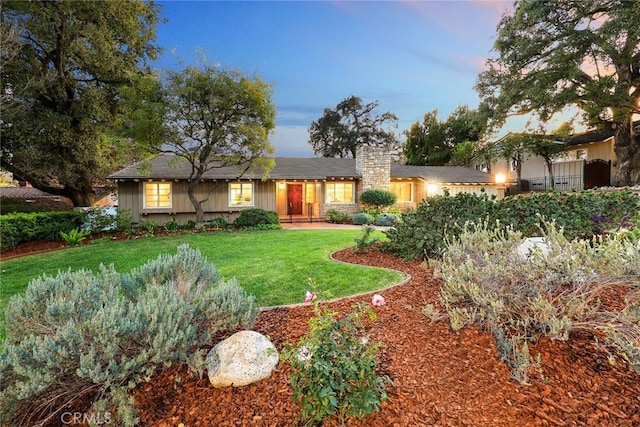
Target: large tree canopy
(211,118)
(60,88)
(584,53)
(434,143)
(340,131)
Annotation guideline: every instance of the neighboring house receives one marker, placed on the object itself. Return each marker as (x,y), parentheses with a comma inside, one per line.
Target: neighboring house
(28,199)
(587,161)
(296,188)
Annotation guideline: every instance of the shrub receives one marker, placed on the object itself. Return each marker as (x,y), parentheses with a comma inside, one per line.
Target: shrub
(334,367)
(378,198)
(581,215)
(75,236)
(487,282)
(365,241)
(362,218)
(256,216)
(219,222)
(93,336)
(171,225)
(335,217)
(386,220)
(26,227)
(423,230)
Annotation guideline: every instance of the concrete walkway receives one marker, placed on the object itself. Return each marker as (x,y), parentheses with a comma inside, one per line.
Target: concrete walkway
(322,225)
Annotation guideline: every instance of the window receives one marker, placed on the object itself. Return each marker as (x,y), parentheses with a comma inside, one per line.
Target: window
(241,194)
(339,192)
(403,190)
(157,195)
(581,154)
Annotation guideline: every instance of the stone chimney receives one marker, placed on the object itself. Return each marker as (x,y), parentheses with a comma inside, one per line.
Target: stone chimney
(373,162)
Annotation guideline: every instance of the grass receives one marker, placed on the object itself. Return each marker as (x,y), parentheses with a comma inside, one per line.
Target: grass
(274,266)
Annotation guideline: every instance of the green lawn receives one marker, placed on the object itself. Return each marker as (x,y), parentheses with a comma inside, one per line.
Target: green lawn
(272,265)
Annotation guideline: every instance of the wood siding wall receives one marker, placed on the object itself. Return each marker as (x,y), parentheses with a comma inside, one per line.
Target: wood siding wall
(130,198)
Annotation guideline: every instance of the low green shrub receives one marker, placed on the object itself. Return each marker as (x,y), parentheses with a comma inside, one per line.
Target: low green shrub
(94,336)
(335,217)
(365,241)
(362,218)
(386,220)
(551,293)
(256,216)
(17,228)
(334,367)
(219,223)
(75,236)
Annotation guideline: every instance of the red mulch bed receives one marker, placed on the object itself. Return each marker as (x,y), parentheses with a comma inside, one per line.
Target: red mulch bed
(440,377)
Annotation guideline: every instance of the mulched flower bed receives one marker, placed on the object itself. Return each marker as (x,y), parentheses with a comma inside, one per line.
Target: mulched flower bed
(440,377)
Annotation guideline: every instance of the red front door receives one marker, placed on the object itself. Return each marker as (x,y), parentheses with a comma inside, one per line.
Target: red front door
(294,199)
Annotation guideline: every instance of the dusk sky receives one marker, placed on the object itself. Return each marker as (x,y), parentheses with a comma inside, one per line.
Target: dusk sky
(412,57)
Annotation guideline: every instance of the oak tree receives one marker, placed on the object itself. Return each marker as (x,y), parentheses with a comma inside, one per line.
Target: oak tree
(583,53)
(340,131)
(60,88)
(213,118)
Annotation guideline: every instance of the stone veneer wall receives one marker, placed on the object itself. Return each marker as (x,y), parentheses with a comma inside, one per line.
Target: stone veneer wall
(373,162)
(345,208)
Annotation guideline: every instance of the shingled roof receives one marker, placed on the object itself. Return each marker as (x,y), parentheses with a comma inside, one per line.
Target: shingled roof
(171,167)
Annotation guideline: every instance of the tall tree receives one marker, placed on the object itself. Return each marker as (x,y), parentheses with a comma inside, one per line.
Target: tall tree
(212,118)
(61,88)
(584,53)
(425,144)
(434,143)
(340,131)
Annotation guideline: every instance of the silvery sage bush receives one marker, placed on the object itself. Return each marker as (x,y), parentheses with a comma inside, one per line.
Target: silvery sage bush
(89,336)
(517,298)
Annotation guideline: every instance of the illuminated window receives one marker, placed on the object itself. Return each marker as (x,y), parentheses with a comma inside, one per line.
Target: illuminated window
(339,192)
(403,190)
(157,195)
(241,194)
(310,193)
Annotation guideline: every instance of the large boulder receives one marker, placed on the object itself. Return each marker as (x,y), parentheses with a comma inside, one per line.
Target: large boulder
(531,244)
(242,359)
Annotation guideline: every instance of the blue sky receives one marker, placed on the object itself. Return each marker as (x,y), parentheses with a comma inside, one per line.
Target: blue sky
(412,57)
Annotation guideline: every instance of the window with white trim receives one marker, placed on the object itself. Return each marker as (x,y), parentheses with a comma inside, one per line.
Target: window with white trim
(339,192)
(240,194)
(156,195)
(403,191)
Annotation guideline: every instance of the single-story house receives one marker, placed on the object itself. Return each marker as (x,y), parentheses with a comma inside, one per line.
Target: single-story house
(296,188)
(587,160)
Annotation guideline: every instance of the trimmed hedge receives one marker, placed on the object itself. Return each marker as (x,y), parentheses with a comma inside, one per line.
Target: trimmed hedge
(362,218)
(256,216)
(19,228)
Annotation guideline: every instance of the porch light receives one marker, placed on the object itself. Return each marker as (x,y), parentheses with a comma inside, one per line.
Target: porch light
(432,189)
(501,178)
(281,185)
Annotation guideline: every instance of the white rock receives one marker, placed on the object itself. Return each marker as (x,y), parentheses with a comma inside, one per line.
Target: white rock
(242,359)
(528,245)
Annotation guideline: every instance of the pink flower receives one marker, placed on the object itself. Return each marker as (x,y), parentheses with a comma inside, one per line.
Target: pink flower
(310,296)
(378,300)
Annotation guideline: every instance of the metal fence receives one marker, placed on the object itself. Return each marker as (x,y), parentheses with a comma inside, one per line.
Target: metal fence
(561,183)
